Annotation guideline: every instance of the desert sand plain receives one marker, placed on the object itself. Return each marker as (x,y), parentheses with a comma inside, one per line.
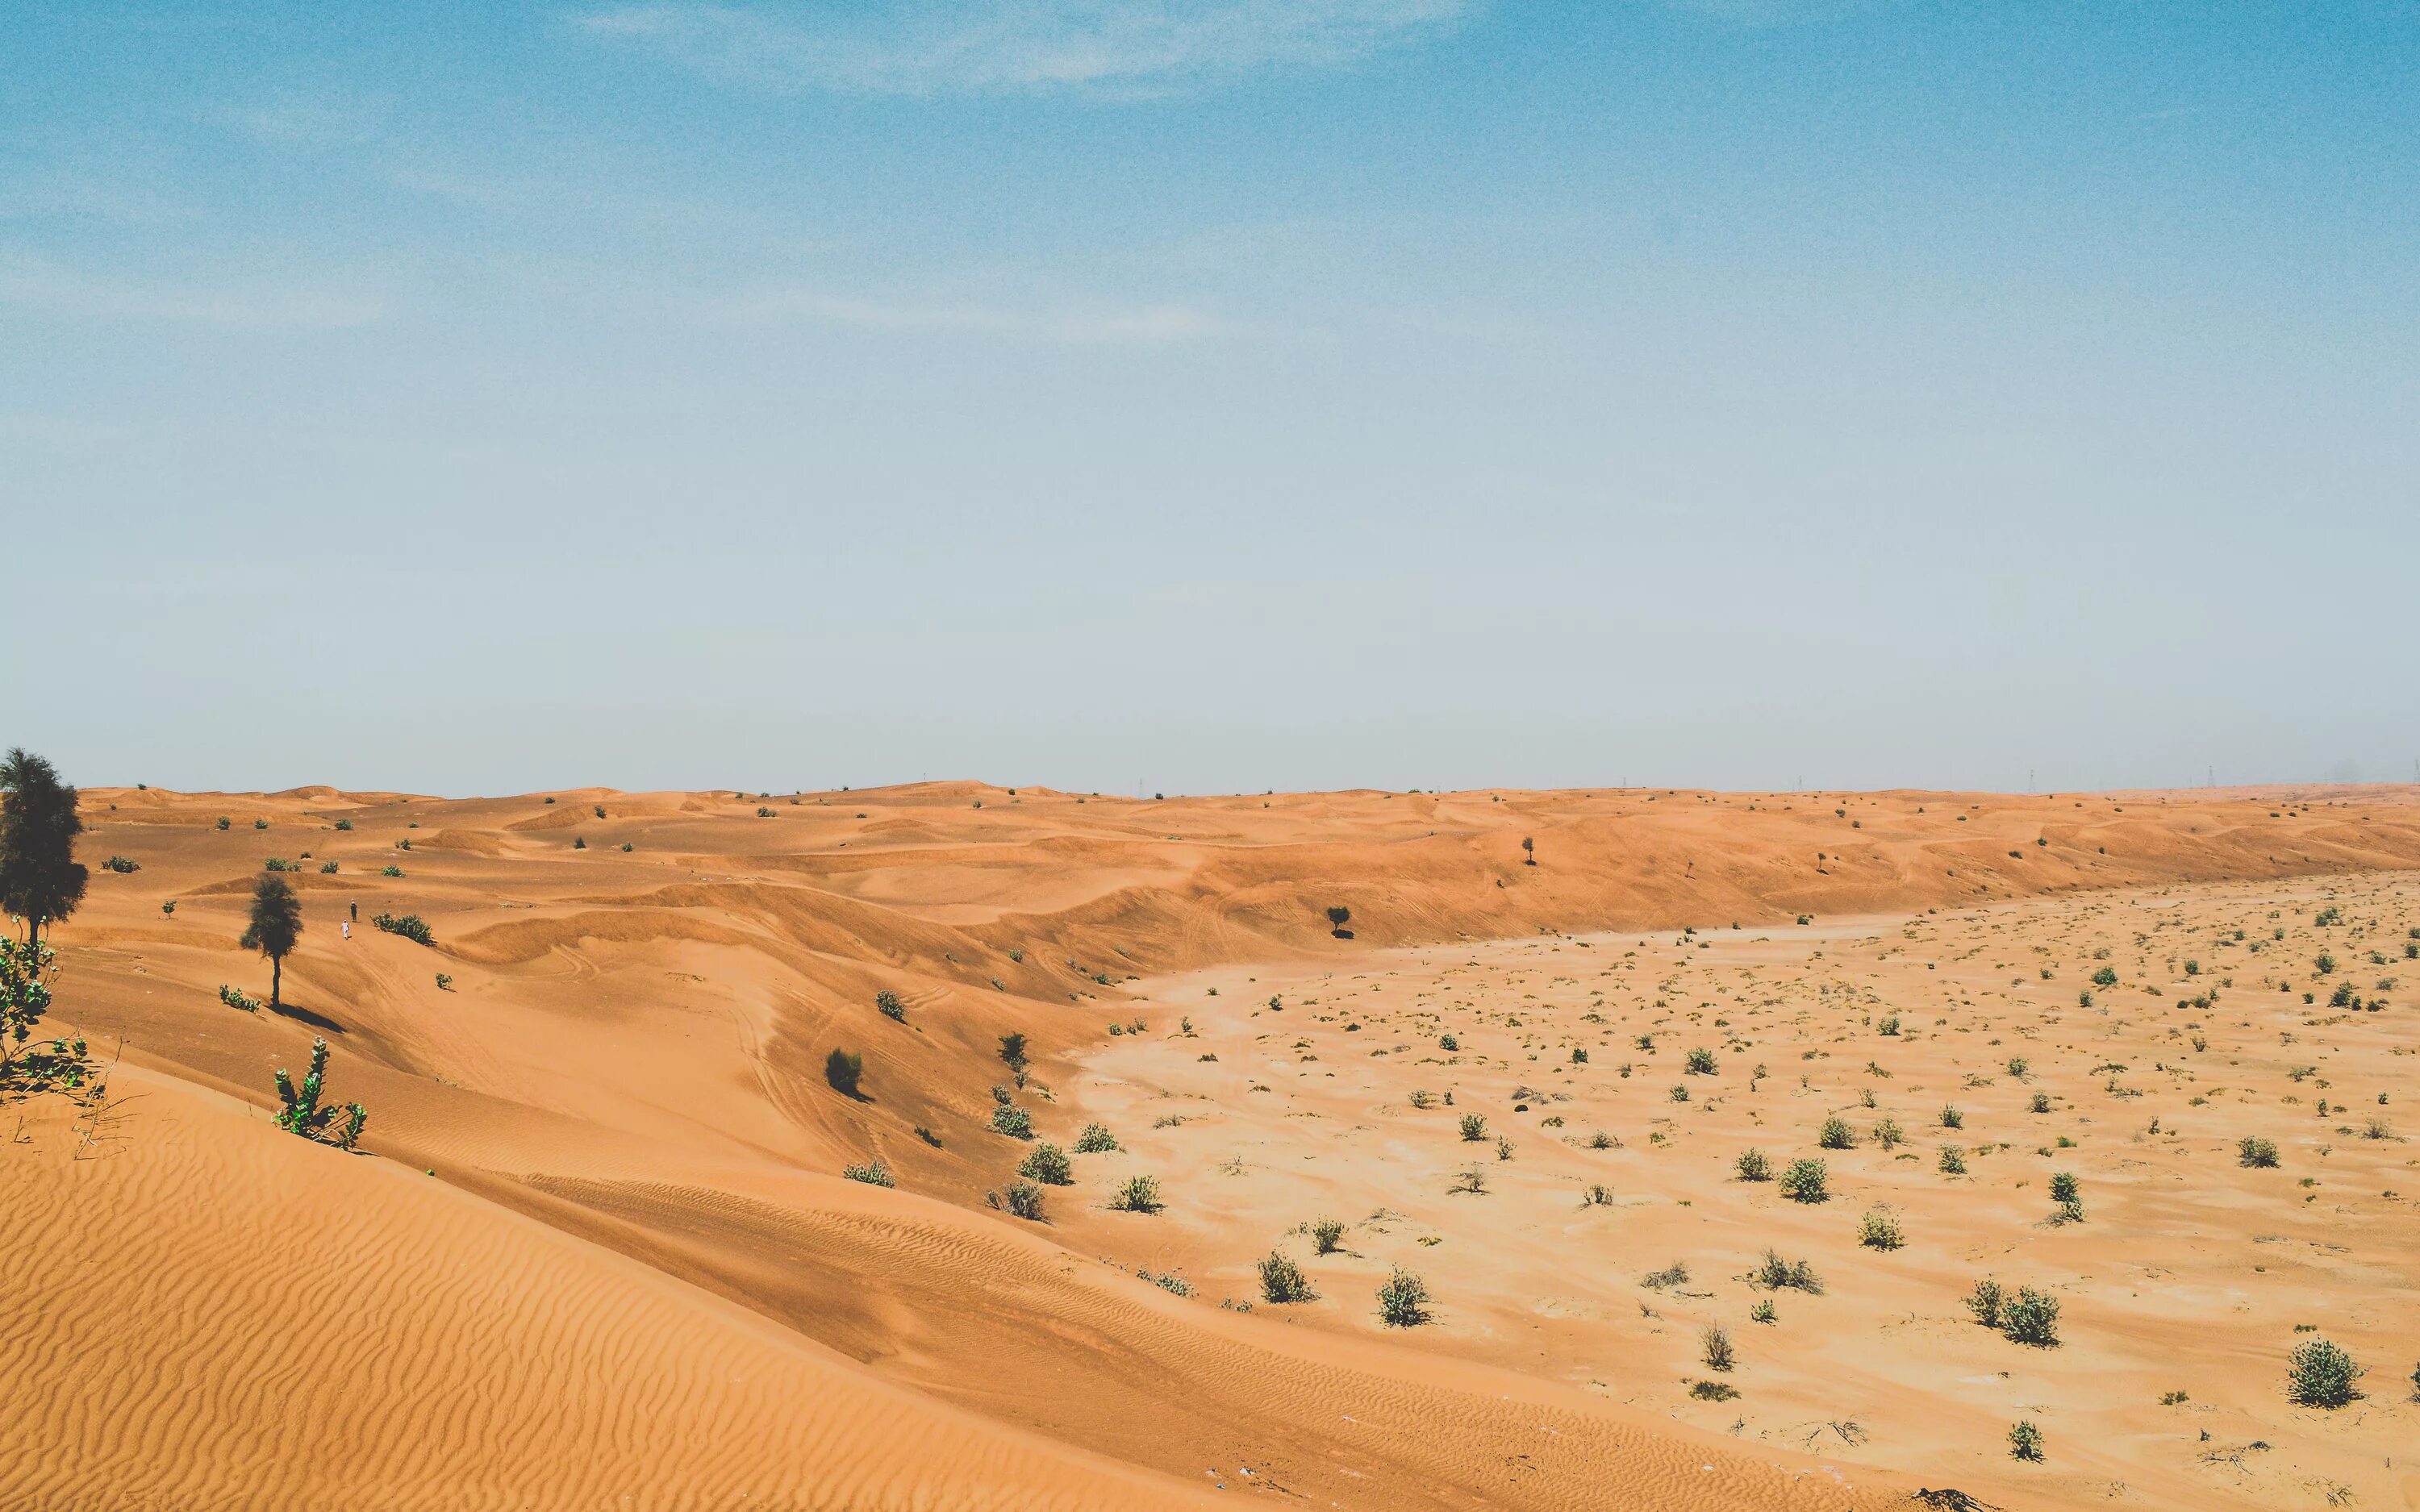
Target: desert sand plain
(598,1250)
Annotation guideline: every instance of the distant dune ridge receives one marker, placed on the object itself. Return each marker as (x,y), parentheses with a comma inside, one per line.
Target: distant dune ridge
(600,1253)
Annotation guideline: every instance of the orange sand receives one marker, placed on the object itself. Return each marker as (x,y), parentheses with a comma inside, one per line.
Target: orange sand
(636,1280)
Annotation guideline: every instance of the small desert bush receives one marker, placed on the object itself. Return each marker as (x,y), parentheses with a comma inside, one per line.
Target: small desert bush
(1282,1281)
(1836,1134)
(2026,1443)
(121,865)
(1137,1194)
(2321,1373)
(1879,1230)
(1022,1198)
(1888,1135)
(2254,1151)
(1474,1128)
(1752,1165)
(410,926)
(2041,1103)
(1672,1276)
(1763,1312)
(1326,1236)
(873,1173)
(1597,1196)
(1095,1140)
(1953,1160)
(1048,1164)
(2030,1316)
(1952,1118)
(1986,1301)
(2069,1194)
(235,997)
(1699,1063)
(1889,1025)
(1775,1274)
(1803,1181)
(1714,1345)
(844,1071)
(1713,1391)
(1014,1122)
(887,1003)
(1402,1300)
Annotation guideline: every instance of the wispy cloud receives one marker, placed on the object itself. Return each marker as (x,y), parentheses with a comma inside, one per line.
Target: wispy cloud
(306,120)
(34,283)
(943,47)
(1141,325)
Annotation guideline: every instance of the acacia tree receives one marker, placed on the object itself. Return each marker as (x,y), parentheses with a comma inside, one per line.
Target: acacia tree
(276,924)
(1531,846)
(40,879)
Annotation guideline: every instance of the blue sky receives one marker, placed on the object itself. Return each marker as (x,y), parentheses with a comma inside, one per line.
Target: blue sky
(1211,394)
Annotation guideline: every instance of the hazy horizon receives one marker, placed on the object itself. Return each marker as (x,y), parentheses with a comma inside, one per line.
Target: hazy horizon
(1206,395)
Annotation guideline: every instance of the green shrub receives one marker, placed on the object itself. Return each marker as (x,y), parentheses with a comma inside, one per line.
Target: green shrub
(1836,1134)
(1095,1140)
(2069,1194)
(2041,1103)
(887,1003)
(260,823)
(301,1112)
(223,823)
(1888,1135)
(327,869)
(844,1071)
(1048,1164)
(1137,1194)
(234,998)
(1775,1274)
(2025,1442)
(1714,1346)
(1952,1118)
(1013,1121)
(1282,1281)
(1699,1063)
(1752,1165)
(873,1173)
(2105,976)
(2030,1316)
(1879,1230)
(410,926)
(344,824)
(1803,1181)
(1953,1160)
(1985,1303)
(1474,1128)
(2321,1373)
(1672,1276)
(1022,1198)
(2254,1151)
(1889,1025)
(121,865)
(277,863)
(1762,1311)
(390,871)
(1402,1300)
(1326,1236)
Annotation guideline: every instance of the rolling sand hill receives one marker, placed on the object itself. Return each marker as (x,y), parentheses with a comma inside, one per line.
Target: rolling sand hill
(598,1251)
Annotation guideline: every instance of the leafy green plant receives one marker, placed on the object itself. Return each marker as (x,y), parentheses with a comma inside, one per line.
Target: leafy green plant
(1095,1140)
(410,926)
(1699,1062)
(1023,1199)
(1985,1303)
(2030,1316)
(1714,1346)
(887,1003)
(1402,1300)
(301,1112)
(2026,1443)
(1013,1121)
(1474,1128)
(236,999)
(1803,1180)
(1752,1165)
(1048,1164)
(1775,1274)
(844,1070)
(873,1173)
(1879,1228)
(1326,1236)
(2254,1150)
(2321,1373)
(1836,1134)
(1137,1194)
(1282,1281)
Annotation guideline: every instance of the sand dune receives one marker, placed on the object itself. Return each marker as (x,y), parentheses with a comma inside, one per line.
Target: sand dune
(636,1273)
